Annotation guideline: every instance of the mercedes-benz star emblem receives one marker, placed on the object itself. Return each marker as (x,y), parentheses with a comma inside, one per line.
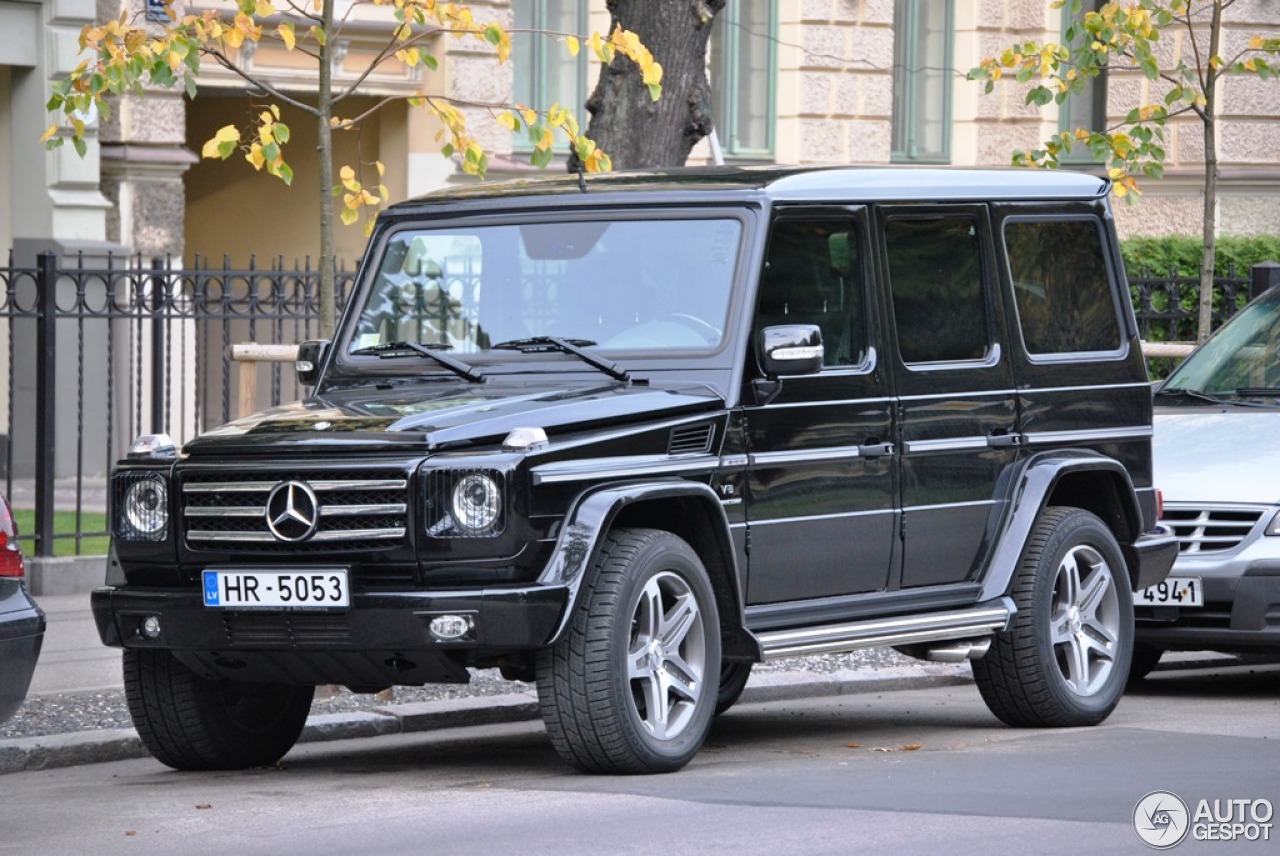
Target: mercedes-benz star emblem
(293,512)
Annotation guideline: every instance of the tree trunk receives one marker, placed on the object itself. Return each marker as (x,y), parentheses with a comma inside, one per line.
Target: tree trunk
(324,146)
(1204,325)
(631,127)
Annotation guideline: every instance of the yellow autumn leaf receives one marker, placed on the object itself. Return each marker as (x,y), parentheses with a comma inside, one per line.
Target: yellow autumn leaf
(255,156)
(509,121)
(264,8)
(573,45)
(381,167)
(1256,43)
(287,36)
(48,133)
(349,216)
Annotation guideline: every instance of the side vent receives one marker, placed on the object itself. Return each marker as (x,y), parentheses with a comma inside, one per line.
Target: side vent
(691,440)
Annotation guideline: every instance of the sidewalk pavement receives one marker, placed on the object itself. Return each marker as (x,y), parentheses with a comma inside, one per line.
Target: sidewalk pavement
(74,660)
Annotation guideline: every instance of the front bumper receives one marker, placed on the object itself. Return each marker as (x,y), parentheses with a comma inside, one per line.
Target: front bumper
(381,640)
(1241,609)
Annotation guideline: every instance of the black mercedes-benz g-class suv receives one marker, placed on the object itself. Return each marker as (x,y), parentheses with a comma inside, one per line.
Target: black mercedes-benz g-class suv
(626,435)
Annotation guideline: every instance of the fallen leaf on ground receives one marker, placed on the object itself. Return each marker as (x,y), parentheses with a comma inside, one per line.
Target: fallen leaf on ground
(910,747)
(853,744)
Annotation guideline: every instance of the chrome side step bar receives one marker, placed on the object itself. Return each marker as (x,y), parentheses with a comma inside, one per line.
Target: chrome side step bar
(973,623)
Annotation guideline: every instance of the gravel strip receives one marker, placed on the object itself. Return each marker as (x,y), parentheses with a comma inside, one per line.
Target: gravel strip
(44,715)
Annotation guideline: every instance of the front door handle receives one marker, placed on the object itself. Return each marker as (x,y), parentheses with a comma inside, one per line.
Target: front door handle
(875,450)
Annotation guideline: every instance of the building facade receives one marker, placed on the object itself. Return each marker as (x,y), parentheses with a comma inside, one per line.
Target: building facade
(795,81)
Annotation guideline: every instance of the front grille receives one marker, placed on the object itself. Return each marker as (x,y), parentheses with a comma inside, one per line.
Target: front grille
(1211,529)
(354,511)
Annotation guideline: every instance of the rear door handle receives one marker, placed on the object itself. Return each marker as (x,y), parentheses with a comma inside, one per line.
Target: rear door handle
(875,450)
(1005,440)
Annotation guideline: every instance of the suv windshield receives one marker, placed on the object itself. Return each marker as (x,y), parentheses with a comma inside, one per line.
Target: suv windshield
(633,285)
(1242,358)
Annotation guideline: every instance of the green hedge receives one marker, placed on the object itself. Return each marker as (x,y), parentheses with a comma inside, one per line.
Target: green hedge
(1184,252)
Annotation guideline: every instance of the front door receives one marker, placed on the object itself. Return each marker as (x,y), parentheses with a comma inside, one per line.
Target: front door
(821,515)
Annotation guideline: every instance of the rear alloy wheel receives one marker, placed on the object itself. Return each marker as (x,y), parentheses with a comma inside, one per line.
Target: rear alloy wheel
(631,686)
(1065,657)
(190,723)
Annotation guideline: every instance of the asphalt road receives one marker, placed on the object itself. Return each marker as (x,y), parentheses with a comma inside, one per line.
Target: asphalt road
(921,771)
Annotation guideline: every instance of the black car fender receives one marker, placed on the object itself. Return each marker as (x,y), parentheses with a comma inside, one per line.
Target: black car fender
(700,520)
(1056,478)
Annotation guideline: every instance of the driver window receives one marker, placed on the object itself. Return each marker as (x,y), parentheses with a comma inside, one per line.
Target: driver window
(812,275)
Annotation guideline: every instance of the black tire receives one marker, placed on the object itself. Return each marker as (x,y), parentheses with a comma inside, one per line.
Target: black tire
(616,694)
(733,680)
(1065,658)
(1145,659)
(190,723)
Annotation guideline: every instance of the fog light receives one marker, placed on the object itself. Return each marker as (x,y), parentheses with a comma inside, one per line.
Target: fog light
(450,627)
(150,627)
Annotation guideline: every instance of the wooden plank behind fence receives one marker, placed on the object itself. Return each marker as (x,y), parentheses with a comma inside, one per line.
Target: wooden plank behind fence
(248,355)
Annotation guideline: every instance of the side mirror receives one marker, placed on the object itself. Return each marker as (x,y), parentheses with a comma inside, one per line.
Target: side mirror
(310,355)
(791,349)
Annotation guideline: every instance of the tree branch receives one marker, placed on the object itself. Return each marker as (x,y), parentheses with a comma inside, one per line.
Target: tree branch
(222,60)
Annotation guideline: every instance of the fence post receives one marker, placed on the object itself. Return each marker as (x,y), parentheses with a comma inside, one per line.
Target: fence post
(1262,276)
(159,289)
(46,399)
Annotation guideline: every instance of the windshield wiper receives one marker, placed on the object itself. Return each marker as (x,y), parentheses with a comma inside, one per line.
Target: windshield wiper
(426,349)
(566,346)
(1259,392)
(1206,397)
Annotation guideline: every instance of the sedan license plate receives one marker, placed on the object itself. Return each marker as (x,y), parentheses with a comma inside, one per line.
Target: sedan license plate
(255,589)
(1175,591)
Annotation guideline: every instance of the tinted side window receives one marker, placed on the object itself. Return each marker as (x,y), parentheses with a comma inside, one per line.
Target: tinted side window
(935,274)
(812,275)
(1061,286)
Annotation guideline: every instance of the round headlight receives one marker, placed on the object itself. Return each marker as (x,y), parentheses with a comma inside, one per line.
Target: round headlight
(146,508)
(476,503)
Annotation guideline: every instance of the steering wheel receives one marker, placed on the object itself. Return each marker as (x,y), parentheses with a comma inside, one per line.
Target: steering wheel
(708,332)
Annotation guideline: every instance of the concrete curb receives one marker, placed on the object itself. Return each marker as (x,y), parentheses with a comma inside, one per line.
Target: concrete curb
(94,747)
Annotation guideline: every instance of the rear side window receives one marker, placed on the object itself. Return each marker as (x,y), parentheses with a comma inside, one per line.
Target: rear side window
(1062,287)
(935,274)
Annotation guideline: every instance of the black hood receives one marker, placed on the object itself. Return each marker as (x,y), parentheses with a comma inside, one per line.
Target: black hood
(439,416)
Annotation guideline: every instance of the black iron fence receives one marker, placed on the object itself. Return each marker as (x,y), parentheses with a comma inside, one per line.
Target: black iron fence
(97,354)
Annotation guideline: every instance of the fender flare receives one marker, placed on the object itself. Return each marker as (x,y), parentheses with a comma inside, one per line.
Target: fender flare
(593,514)
(1033,485)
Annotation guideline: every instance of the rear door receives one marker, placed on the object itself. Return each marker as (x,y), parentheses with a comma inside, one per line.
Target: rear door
(956,404)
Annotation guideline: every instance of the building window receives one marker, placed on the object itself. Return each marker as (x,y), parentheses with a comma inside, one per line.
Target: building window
(545,73)
(743,57)
(922,76)
(1087,109)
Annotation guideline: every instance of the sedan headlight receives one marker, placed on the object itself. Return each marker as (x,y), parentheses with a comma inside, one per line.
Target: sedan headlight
(143,507)
(465,504)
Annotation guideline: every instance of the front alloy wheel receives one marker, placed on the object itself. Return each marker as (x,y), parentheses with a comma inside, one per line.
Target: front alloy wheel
(632,685)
